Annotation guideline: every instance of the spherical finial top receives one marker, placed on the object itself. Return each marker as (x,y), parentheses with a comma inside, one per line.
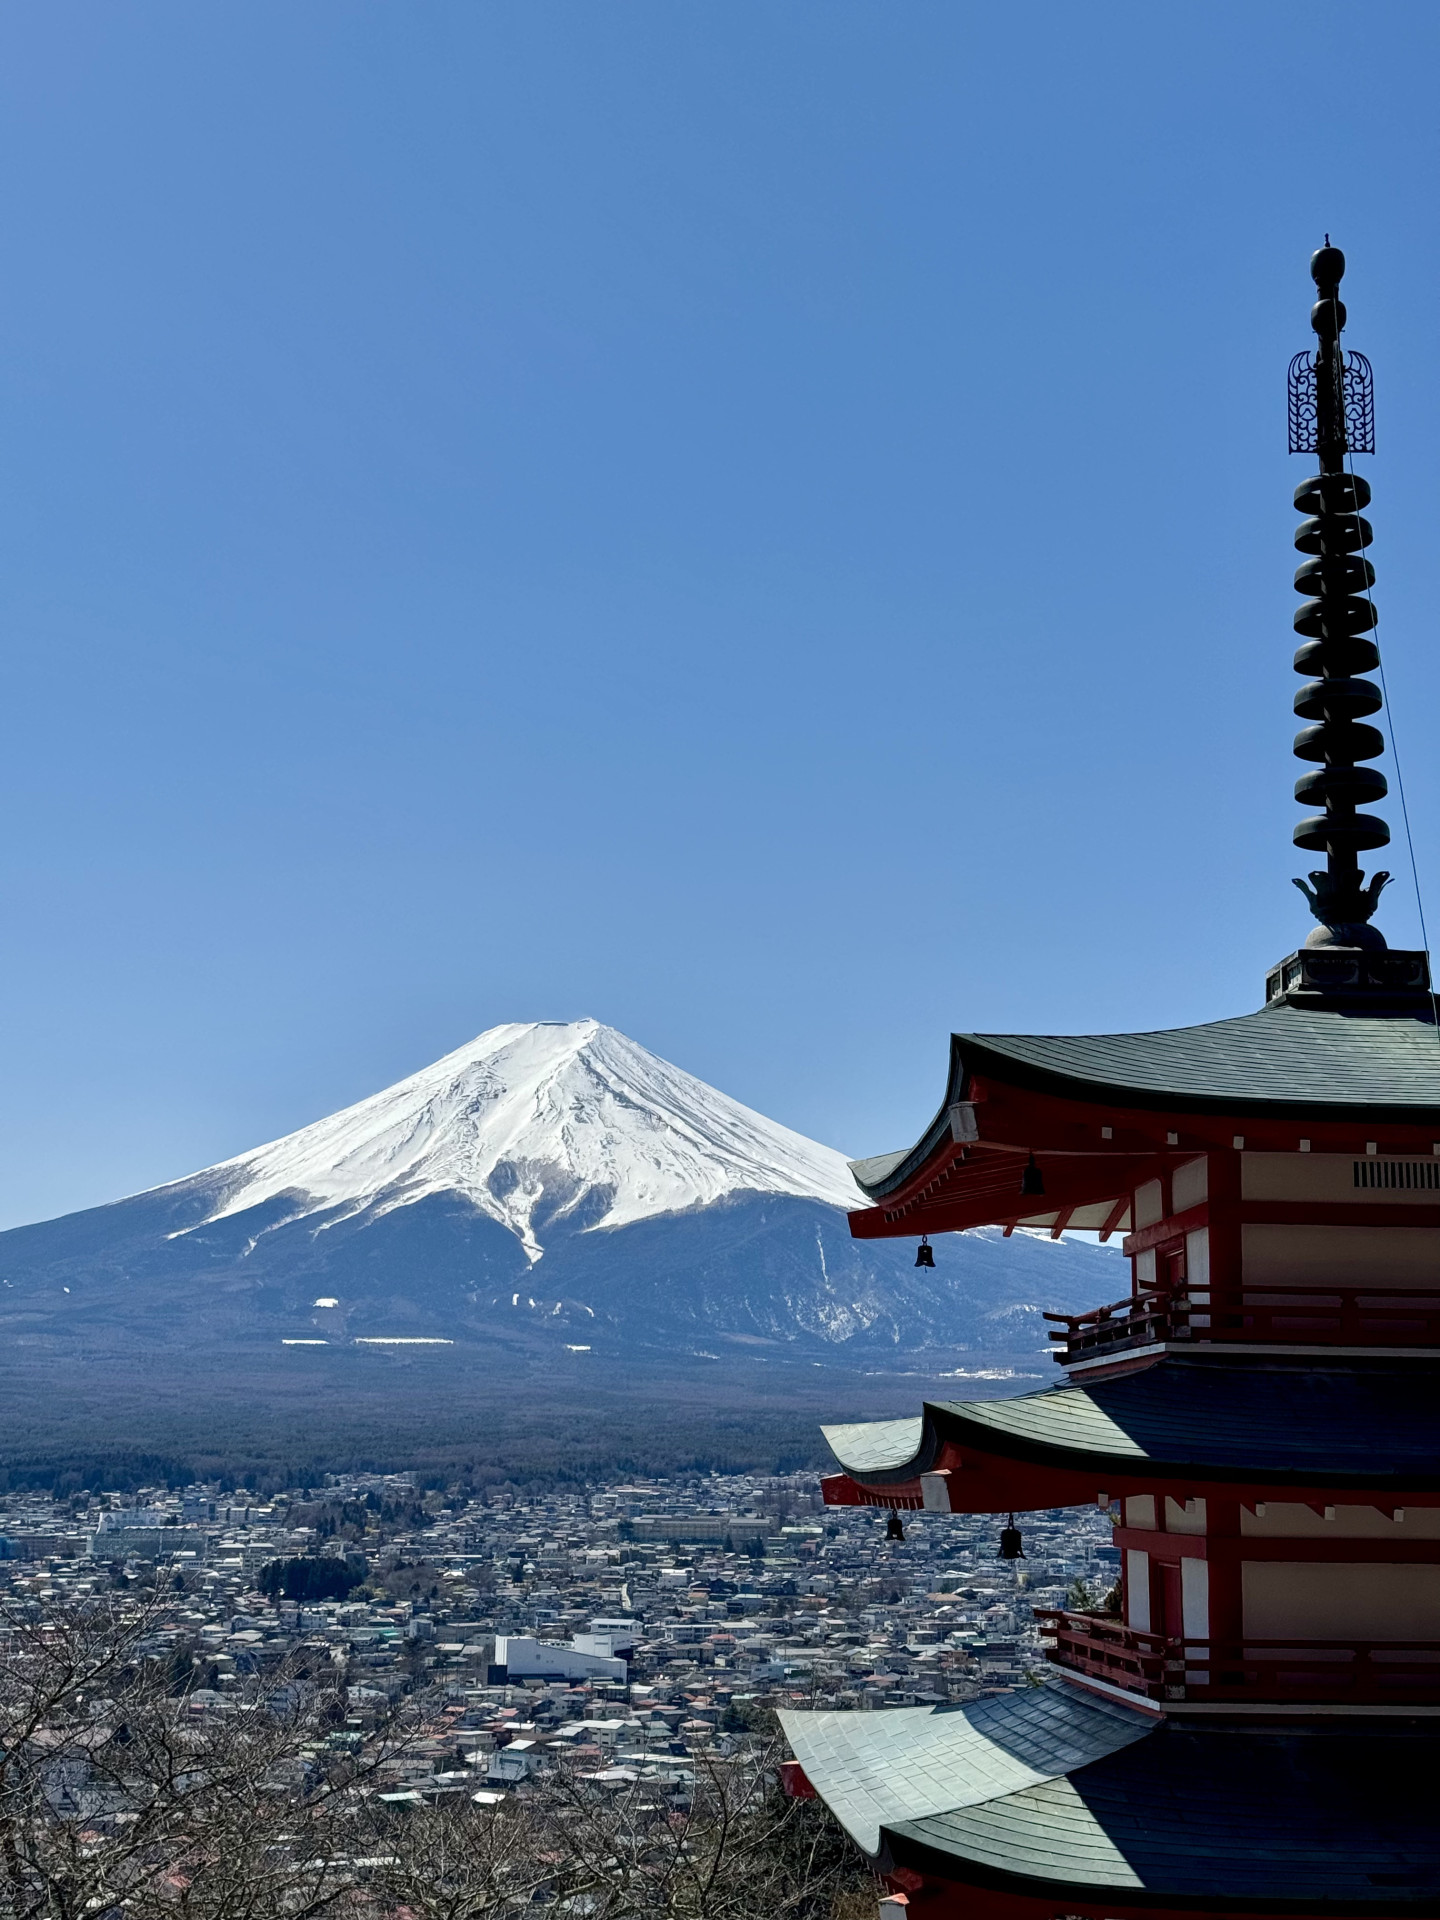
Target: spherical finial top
(1327,267)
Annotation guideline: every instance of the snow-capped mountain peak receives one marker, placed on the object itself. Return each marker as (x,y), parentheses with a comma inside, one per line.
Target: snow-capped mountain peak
(548,1122)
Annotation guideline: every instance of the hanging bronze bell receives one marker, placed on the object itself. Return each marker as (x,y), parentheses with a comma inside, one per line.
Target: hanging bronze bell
(1032,1180)
(893,1528)
(1010,1543)
(924,1253)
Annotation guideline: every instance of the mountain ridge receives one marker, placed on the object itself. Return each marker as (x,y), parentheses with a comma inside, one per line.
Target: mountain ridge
(467,1125)
(548,1188)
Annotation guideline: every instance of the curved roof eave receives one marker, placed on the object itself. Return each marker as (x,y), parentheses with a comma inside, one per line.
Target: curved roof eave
(1209,1819)
(1053,1787)
(876,1770)
(1362,1427)
(889,1171)
(1282,1062)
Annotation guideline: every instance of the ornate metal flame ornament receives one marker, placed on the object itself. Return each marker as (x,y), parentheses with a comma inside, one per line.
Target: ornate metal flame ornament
(1336,620)
(1358,377)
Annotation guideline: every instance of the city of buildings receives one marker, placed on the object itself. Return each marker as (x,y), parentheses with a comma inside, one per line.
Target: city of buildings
(629,1626)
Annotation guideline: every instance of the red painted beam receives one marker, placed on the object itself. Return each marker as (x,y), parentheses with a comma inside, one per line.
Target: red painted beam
(989,1483)
(1134,1143)
(1228,1549)
(1068,1185)
(839,1490)
(1336,1213)
(1115,1216)
(1171,1229)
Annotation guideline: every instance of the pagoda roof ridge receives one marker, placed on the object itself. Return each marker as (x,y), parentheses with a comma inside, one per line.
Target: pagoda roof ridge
(1056,1787)
(1281,1061)
(1298,1057)
(1211,1817)
(877,1768)
(1366,1425)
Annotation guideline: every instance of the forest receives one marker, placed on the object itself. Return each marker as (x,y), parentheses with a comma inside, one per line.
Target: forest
(92,1425)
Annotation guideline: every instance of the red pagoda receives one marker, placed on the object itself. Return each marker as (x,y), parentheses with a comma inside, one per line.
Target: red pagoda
(1257,1730)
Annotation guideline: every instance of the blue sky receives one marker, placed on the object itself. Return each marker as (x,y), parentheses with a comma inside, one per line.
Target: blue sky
(768,524)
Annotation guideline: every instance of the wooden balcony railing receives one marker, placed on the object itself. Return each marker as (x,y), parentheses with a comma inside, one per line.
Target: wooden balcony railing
(1106,1649)
(1354,1672)
(1319,1316)
(1136,1322)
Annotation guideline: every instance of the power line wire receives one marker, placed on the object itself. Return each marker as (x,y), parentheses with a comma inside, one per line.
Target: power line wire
(1395,754)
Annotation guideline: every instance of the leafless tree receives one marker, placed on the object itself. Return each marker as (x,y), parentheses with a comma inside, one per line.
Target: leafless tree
(126,1794)
(120,1796)
(722,1846)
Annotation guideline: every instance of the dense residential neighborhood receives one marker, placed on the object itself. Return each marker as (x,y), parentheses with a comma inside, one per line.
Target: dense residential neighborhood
(632,1626)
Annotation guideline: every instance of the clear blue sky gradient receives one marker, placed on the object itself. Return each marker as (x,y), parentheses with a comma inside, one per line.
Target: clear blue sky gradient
(765,523)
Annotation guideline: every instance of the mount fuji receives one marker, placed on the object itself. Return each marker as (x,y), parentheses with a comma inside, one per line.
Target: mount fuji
(549,1187)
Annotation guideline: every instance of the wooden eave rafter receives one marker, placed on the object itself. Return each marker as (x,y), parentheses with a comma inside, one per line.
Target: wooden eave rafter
(1091,1158)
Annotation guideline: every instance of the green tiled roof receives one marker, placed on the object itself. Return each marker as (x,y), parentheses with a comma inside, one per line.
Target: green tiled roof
(1357,1424)
(877,1446)
(872,1173)
(1339,1816)
(1052,1788)
(872,1769)
(1282,1061)
(1289,1056)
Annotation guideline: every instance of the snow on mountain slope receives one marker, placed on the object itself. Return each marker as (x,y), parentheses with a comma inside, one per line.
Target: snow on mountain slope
(550,1123)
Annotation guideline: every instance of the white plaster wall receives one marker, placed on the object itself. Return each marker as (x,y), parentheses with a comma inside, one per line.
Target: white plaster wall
(1336,1600)
(1195,1597)
(1137,1589)
(1400,1257)
(1197,1260)
(1148,1204)
(1189,1185)
(1287,1519)
(1189,1518)
(1318,1176)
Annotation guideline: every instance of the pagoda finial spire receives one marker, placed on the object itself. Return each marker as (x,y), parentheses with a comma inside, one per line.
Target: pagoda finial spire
(1332,415)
